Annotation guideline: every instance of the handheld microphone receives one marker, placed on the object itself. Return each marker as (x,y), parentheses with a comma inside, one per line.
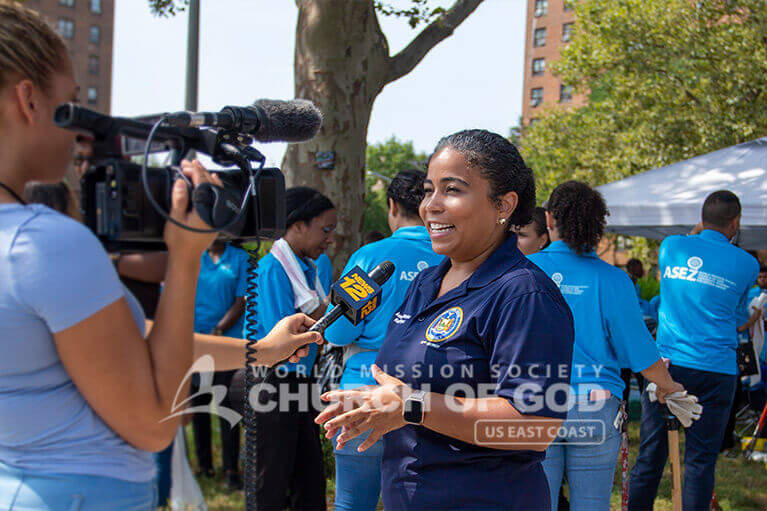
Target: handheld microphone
(355,295)
(267,120)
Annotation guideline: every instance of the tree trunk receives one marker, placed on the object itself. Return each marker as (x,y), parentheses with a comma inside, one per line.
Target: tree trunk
(341,62)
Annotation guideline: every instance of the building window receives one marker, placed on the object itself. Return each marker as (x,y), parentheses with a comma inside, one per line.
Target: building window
(536,96)
(66,28)
(567,32)
(539,37)
(93,65)
(96,6)
(568,5)
(93,95)
(67,3)
(565,93)
(541,7)
(95,35)
(539,66)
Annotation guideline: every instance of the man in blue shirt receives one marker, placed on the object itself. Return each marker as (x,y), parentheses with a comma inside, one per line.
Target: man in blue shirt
(704,279)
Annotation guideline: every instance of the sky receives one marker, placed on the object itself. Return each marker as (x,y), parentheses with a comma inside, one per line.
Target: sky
(473,79)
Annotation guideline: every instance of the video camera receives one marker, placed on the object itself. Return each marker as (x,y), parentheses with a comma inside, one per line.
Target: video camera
(127,204)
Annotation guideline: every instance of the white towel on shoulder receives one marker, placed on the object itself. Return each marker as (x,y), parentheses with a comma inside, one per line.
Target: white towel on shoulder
(306,299)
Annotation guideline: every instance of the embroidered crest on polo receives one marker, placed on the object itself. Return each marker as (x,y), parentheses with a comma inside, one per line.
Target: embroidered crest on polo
(445,325)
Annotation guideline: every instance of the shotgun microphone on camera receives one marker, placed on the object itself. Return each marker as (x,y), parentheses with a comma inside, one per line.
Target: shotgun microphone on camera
(267,120)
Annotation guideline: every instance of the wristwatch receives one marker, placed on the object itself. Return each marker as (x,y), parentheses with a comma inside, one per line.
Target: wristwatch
(413,410)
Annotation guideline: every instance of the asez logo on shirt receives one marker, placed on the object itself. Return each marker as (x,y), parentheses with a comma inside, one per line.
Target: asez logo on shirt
(692,273)
(558,278)
(445,325)
(409,276)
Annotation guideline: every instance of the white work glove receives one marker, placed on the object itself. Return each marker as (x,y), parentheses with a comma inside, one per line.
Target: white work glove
(684,406)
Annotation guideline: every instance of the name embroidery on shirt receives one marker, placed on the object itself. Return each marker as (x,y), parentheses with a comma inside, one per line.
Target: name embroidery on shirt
(692,273)
(445,325)
(558,278)
(400,318)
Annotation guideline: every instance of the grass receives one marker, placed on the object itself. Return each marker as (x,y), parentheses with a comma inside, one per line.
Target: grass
(740,485)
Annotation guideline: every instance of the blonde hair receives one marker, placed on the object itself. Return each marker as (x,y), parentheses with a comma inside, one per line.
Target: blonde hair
(29,47)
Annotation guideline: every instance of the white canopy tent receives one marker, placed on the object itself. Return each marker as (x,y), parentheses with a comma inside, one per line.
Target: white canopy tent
(668,200)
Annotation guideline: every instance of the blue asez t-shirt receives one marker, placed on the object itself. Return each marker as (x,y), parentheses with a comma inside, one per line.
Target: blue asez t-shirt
(610,332)
(506,331)
(704,282)
(219,284)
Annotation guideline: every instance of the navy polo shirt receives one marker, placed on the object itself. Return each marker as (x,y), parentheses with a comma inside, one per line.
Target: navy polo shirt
(505,326)
(704,282)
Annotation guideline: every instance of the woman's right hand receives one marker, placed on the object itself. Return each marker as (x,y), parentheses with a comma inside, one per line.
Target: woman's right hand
(288,340)
(180,241)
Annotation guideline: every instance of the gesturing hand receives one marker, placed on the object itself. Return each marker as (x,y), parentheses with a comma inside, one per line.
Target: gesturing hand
(377,408)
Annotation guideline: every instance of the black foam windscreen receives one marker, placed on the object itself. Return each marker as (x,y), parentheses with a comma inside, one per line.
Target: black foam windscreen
(297,120)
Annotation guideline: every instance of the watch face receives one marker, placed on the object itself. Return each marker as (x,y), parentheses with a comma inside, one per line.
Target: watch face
(413,411)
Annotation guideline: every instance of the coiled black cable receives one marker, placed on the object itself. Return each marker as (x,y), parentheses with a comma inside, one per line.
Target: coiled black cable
(250,461)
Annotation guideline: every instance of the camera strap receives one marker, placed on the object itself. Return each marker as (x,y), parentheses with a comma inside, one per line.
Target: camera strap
(13,194)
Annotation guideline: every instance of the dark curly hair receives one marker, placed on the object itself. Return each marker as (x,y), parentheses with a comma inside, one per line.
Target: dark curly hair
(500,163)
(579,212)
(406,190)
(303,204)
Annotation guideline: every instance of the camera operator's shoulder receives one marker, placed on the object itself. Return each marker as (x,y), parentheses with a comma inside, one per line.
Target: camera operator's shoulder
(49,232)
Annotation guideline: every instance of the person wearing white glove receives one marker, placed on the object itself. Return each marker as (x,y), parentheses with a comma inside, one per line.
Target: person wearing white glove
(610,334)
(684,406)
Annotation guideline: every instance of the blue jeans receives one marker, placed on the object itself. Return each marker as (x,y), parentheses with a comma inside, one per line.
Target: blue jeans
(358,476)
(29,491)
(588,459)
(162,460)
(715,392)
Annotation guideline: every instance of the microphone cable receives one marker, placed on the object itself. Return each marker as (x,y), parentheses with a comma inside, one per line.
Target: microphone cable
(250,462)
(164,214)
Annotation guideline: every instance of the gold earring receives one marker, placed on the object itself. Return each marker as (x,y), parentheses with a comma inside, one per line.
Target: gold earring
(502,221)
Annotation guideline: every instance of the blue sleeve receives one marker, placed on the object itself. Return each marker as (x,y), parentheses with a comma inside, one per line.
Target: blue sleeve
(627,333)
(342,332)
(654,306)
(275,295)
(242,273)
(325,270)
(61,271)
(532,350)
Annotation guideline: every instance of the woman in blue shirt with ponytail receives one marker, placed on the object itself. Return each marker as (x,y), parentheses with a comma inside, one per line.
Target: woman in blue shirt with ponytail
(609,335)
(358,474)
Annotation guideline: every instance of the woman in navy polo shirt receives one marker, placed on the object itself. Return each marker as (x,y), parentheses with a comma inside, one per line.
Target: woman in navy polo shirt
(609,334)
(476,354)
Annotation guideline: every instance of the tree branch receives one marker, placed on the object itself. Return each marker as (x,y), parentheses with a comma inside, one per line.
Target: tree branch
(437,31)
